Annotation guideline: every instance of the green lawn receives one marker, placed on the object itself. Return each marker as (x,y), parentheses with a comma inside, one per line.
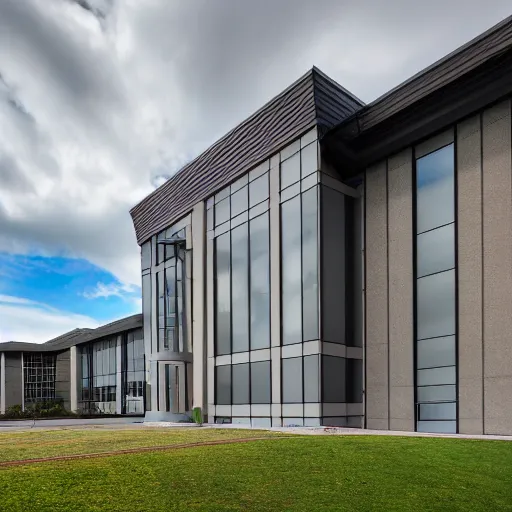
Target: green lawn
(297,474)
(49,443)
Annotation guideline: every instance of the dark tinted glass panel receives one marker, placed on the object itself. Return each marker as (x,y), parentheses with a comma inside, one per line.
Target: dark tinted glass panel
(292,380)
(436,352)
(258,190)
(436,250)
(260,282)
(436,305)
(223,385)
(222,212)
(241,383)
(146,255)
(436,376)
(290,171)
(239,202)
(333,379)
(311,379)
(437,411)
(310,264)
(240,288)
(223,295)
(260,382)
(436,393)
(435,189)
(161,309)
(291,271)
(290,192)
(309,160)
(354,381)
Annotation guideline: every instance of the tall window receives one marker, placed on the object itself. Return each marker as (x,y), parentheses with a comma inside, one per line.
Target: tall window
(39,377)
(98,375)
(133,373)
(299,246)
(104,371)
(238,220)
(171,284)
(435,292)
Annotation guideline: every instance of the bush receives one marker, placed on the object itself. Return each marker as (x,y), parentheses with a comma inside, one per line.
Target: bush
(46,409)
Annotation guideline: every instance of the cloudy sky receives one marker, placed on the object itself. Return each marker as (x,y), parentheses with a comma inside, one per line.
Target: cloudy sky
(101,99)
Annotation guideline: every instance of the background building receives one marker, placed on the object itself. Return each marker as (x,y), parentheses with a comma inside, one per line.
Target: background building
(330,262)
(87,370)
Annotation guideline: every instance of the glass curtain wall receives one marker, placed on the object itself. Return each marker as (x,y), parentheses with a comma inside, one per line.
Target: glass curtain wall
(39,377)
(133,373)
(171,284)
(299,245)
(98,376)
(436,335)
(238,220)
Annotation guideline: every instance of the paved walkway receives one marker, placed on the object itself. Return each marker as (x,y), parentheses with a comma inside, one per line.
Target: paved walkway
(340,431)
(138,423)
(14,425)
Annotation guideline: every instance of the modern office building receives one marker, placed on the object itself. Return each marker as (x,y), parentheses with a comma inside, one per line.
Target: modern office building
(87,370)
(329,262)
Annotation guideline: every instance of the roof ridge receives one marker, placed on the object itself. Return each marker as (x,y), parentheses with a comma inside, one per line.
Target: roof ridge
(472,42)
(218,142)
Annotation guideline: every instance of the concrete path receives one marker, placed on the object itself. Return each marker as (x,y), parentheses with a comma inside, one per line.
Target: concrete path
(138,423)
(69,422)
(340,431)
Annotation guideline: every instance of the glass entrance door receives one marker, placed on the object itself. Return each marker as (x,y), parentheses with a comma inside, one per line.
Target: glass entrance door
(176,378)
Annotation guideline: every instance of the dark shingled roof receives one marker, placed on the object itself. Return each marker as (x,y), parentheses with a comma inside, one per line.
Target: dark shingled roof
(75,337)
(313,100)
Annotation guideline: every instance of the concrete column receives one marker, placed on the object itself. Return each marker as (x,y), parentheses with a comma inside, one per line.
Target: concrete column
(469,227)
(119,375)
(377,357)
(497,269)
(74,372)
(198,307)
(401,279)
(2,383)
(210,330)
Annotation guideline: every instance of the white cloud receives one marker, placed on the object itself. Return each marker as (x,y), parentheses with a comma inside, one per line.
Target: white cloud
(98,104)
(111,290)
(35,322)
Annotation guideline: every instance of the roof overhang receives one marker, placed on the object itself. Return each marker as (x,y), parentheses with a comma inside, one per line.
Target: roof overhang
(352,148)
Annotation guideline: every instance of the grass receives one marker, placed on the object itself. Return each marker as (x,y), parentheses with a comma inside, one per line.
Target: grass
(49,443)
(294,474)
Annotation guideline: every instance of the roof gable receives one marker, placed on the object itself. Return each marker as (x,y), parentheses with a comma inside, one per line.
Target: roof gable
(312,100)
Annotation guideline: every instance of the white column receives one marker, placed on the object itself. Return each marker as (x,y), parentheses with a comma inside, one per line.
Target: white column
(198,307)
(73,379)
(119,381)
(210,330)
(2,383)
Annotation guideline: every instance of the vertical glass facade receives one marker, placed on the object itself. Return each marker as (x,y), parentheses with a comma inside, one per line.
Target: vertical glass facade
(98,363)
(436,332)
(133,373)
(299,246)
(38,377)
(238,221)
(171,286)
